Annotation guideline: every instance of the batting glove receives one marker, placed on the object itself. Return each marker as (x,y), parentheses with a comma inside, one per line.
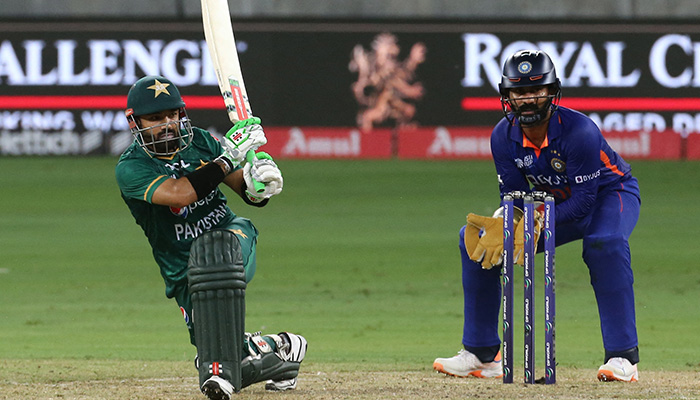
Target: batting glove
(265,171)
(245,135)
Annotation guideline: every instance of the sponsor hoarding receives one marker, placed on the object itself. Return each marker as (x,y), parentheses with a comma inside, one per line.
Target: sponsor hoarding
(413,90)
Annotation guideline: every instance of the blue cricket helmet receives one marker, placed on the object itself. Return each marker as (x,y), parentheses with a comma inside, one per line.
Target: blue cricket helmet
(529,68)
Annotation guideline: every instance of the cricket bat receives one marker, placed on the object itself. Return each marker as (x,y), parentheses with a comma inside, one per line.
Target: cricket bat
(218,33)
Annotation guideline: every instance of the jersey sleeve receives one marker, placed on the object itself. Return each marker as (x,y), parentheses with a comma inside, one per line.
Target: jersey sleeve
(210,144)
(138,180)
(583,172)
(509,176)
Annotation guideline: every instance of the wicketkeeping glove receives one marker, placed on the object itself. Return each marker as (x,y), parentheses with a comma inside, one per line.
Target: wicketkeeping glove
(245,135)
(265,171)
(483,237)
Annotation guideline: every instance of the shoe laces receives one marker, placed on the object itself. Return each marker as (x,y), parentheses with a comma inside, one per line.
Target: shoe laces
(462,353)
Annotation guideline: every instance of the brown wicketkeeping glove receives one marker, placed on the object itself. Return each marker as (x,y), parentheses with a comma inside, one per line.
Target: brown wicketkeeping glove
(483,239)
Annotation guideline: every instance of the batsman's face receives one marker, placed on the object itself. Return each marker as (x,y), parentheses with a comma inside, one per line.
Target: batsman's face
(161,130)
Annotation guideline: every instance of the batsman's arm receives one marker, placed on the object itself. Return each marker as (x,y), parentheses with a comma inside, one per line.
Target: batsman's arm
(174,193)
(183,191)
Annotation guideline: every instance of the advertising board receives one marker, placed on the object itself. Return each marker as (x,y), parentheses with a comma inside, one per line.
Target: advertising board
(414,90)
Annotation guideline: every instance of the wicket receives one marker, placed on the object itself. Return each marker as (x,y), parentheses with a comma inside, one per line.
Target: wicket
(528,281)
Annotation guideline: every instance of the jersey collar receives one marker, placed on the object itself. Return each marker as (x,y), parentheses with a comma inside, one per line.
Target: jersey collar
(553,131)
(528,143)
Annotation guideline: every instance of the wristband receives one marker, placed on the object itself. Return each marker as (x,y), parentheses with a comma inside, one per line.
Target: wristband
(206,179)
(224,162)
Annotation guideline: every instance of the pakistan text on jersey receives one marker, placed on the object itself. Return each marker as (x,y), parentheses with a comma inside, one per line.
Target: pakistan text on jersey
(188,231)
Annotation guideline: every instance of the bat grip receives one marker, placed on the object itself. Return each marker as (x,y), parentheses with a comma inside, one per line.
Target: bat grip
(258,186)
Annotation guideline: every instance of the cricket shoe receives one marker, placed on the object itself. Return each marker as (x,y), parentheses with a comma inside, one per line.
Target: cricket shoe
(466,364)
(216,388)
(618,369)
(279,386)
(290,347)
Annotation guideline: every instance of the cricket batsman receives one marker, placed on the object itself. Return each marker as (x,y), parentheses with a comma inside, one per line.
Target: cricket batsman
(542,146)
(169,178)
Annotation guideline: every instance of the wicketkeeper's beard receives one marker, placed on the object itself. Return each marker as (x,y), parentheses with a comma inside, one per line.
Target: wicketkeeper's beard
(531,115)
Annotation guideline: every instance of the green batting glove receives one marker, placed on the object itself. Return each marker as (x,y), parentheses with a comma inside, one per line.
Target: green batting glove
(244,136)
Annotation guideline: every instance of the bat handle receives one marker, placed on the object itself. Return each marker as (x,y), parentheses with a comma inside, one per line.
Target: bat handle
(258,186)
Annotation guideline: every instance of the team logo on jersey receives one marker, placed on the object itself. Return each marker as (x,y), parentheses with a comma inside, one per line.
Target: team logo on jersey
(558,165)
(180,212)
(525,67)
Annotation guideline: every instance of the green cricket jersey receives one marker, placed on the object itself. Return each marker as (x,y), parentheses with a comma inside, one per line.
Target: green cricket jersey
(170,231)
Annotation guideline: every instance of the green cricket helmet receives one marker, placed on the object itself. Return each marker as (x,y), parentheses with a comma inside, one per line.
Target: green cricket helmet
(153,94)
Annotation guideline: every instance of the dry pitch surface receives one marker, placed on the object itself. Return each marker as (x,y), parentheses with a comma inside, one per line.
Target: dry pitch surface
(176,381)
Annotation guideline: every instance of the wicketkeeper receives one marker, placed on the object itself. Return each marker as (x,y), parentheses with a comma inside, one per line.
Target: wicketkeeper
(542,146)
(169,179)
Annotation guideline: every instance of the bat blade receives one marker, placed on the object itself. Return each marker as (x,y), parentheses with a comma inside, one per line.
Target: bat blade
(221,43)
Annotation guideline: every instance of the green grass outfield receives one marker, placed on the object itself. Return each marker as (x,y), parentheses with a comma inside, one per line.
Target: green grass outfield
(358,256)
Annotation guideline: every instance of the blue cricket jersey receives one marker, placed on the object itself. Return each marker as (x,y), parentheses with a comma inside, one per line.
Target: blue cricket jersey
(574,163)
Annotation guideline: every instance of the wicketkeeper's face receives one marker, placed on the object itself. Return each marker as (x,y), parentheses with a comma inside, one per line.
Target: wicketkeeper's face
(529,100)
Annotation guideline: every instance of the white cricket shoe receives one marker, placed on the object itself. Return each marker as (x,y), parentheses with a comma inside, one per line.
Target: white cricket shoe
(216,388)
(466,364)
(618,369)
(290,347)
(279,386)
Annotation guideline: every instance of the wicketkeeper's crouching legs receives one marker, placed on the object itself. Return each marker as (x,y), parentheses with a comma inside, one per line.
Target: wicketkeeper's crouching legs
(217,283)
